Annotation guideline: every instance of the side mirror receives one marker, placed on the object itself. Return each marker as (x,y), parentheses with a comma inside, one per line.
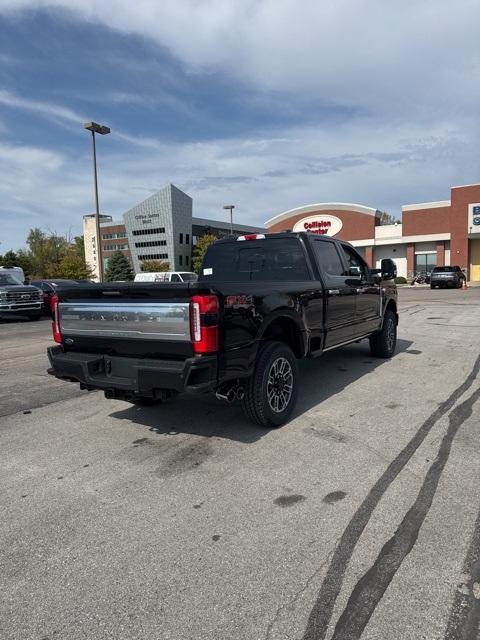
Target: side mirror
(355,272)
(388,269)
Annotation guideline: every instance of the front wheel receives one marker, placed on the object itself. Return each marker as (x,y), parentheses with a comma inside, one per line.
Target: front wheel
(383,342)
(271,392)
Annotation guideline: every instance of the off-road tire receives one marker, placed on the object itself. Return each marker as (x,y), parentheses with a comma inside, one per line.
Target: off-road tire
(256,400)
(383,342)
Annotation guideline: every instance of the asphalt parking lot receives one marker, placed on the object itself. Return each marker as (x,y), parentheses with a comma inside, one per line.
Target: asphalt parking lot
(358,519)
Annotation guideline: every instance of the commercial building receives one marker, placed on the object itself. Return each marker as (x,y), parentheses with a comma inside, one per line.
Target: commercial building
(446,232)
(159,228)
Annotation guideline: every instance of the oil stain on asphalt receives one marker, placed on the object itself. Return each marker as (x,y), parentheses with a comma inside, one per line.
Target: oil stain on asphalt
(288,501)
(185,459)
(334,496)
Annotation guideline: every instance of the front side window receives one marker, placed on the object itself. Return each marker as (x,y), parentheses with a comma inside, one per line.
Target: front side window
(175,278)
(354,261)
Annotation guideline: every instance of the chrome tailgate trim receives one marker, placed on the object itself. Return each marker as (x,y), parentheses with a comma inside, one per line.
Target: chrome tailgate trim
(145,321)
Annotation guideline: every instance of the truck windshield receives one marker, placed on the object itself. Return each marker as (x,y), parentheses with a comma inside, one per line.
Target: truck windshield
(8,280)
(189,277)
(255,260)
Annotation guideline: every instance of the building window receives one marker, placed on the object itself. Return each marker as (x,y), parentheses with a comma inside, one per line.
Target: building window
(115,247)
(186,261)
(425,262)
(147,232)
(180,260)
(151,243)
(114,236)
(187,238)
(154,256)
(181,238)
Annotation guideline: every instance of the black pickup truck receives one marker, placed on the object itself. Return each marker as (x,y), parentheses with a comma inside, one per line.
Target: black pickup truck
(260,304)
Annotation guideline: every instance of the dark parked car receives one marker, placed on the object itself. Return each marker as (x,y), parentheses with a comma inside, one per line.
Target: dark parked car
(260,303)
(452,277)
(49,287)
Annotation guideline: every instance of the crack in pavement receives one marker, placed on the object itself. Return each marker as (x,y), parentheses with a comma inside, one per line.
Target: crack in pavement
(290,603)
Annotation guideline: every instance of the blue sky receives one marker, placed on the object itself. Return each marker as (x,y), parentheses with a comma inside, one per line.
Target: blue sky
(257,103)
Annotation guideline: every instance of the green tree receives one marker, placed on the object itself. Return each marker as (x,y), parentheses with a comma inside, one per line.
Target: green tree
(71,266)
(118,268)
(387,218)
(46,251)
(200,248)
(151,266)
(10,259)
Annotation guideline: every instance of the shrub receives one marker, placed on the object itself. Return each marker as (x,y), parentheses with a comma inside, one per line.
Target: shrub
(400,280)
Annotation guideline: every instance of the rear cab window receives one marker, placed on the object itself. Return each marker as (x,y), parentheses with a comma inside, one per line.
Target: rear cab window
(445,269)
(275,259)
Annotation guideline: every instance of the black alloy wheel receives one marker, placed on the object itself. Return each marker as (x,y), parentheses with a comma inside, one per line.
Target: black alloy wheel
(271,392)
(384,342)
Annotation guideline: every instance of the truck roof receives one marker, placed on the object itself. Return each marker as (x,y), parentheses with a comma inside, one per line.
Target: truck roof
(280,234)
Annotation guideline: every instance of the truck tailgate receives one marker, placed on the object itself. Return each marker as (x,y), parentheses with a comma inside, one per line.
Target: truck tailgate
(142,321)
(147,320)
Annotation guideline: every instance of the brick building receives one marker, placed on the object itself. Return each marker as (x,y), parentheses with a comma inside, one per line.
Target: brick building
(430,234)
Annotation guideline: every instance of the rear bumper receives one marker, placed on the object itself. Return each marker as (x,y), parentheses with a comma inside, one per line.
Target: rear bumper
(447,282)
(126,377)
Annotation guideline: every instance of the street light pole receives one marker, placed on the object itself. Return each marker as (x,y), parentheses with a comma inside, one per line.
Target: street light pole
(231,207)
(102,130)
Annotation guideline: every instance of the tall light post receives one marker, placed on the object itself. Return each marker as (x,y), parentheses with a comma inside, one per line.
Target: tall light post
(102,130)
(231,207)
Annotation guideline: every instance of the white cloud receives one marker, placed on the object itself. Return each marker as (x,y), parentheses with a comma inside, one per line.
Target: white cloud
(378,55)
(51,111)
(382,167)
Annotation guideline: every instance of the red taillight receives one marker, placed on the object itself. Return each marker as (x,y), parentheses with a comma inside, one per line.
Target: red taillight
(204,323)
(57,334)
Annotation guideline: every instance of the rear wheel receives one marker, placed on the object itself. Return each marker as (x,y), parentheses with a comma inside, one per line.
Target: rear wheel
(383,342)
(271,392)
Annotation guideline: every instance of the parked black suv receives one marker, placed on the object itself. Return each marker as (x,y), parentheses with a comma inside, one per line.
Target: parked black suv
(447,277)
(261,302)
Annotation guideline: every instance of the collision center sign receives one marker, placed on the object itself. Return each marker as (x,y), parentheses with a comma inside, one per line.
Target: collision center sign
(324,225)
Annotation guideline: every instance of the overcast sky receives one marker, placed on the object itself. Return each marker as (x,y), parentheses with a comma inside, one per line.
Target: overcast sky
(266,104)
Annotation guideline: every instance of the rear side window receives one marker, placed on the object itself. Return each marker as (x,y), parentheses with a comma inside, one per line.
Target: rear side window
(328,258)
(257,261)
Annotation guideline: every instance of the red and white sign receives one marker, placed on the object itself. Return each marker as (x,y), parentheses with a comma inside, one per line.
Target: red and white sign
(324,225)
